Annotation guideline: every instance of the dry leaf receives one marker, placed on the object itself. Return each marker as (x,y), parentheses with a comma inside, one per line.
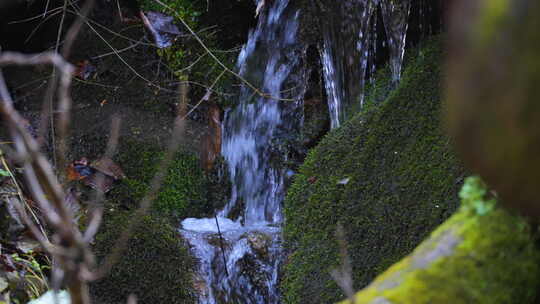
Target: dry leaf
(164,32)
(108,167)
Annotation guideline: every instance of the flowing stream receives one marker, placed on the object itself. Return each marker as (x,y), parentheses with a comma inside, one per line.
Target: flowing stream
(241,265)
(349,49)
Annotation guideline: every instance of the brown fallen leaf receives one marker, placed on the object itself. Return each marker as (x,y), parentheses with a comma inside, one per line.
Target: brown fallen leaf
(108,167)
(162,28)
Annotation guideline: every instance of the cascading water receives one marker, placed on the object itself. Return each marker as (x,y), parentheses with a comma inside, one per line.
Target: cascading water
(344,54)
(373,39)
(241,265)
(395,17)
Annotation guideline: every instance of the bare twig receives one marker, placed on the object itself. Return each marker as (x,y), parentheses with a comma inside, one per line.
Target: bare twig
(76,26)
(23,200)
(97,211)
(66,71)
(343,274)
(71,251)
(118,51)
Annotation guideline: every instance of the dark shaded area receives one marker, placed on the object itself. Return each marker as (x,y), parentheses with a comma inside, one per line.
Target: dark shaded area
(493,91)
(233,20)
(29,26)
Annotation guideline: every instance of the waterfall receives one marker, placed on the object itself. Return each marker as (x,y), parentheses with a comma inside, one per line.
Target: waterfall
(344,54)
(395,18)
(373,39)
(349,49)
(241,265)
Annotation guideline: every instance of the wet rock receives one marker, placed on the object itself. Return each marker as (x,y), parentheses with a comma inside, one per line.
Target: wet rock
(218,242)
(316,122)
(259,242)
(200,286)
(253,270)
(237,212)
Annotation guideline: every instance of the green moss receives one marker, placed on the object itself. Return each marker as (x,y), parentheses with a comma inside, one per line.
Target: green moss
(473,257)
(403,182)
(155,265)
(183,192)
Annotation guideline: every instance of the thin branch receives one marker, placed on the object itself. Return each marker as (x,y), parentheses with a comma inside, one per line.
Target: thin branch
(206,96)
(54,10)
(76,26)
(23,201)
(118,51)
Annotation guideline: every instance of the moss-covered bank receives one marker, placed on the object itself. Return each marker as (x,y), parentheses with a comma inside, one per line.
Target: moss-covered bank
(155,266)
(482,254)
(388,175)
(183,192)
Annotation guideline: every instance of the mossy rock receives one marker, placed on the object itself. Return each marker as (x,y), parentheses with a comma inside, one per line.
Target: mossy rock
(388,176)
(482,254)
(183,192)
(155,265)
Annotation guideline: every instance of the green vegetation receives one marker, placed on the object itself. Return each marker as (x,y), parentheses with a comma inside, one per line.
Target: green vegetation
(183,193)
(388,176)
(474,257)
(155,266)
